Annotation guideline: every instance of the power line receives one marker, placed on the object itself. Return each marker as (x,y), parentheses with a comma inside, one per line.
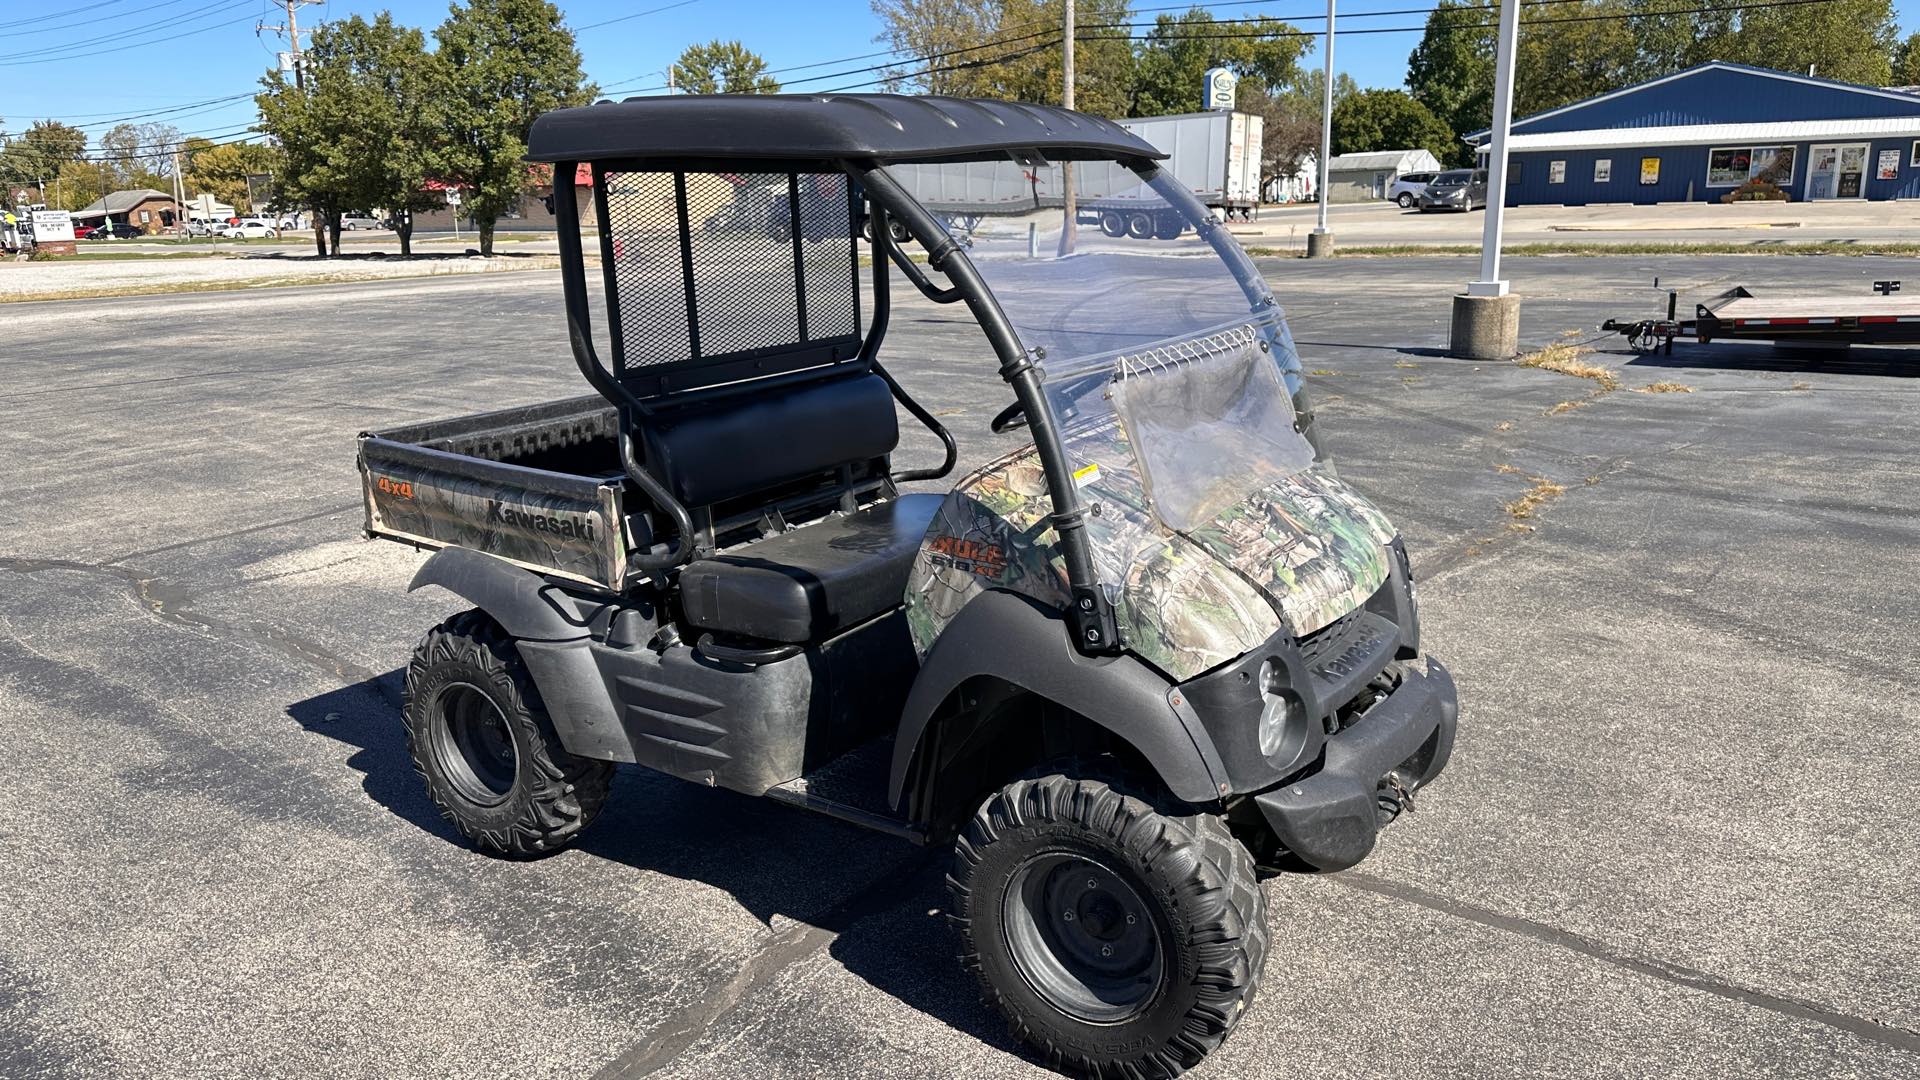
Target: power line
(98,19)
(13,60)
(60,14)
(635,15)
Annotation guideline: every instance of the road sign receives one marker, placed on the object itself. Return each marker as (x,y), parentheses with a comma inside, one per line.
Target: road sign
(453,198)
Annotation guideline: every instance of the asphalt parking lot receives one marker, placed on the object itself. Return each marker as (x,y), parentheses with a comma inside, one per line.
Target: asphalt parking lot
(1675,839)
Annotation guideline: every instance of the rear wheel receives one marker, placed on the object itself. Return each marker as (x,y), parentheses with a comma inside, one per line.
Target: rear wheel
(1116,938)
(1405,200)
(1140,225)
(1168,227)
(481,740)
(1113,224)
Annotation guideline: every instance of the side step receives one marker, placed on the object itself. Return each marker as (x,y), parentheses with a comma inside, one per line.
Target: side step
(795,793)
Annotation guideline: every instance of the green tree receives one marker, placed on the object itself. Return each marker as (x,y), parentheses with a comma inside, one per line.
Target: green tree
(506,62)
(221,170)
(310,129)
(1171,63)
(1289,133)
(1387,120)
(139,155)
(723,67)
(1451,72)
(37,153)
(1848,40)
(1906,62)
(1010,50)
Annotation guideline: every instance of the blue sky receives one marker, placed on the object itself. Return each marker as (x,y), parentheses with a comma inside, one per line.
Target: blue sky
(115,59)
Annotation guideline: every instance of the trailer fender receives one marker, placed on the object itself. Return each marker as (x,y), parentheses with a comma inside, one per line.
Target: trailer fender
(548,632)
(1012,638)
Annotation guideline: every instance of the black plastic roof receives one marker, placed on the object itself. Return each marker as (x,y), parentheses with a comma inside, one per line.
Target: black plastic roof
(891,127)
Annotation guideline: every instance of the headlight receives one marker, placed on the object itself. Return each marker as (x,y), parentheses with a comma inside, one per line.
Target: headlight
(1280,711)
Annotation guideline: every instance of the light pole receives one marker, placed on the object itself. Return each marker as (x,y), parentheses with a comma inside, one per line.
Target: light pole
(1486,318)
(1070,205)
(1320,241)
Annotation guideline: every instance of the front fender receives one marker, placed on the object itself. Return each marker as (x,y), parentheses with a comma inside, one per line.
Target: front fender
(1010,637)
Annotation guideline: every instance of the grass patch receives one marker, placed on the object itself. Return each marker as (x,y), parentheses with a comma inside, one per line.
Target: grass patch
(162,288)
(1566,407)
(1323,371)
(1565,359)
(1530,501)
(1664,388)
(1405,364)
(1588,249)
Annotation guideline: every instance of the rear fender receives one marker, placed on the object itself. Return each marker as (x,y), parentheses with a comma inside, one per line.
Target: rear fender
(549,633)
(1011,638)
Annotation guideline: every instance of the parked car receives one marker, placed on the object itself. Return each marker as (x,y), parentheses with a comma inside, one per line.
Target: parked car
(1457,189)
(1406,190)
(81,232)
(118,230)
(249,229)
(203,227)
(359,221)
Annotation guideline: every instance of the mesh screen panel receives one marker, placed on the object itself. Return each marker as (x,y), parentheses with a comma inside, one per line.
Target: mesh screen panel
(741,278)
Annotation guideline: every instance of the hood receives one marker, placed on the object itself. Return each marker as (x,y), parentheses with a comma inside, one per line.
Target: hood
(1293,556)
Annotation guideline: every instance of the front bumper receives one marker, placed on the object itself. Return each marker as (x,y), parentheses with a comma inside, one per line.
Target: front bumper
(1329,820)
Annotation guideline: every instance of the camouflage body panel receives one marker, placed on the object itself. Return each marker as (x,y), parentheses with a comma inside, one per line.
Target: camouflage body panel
(1296,555)
(991,532)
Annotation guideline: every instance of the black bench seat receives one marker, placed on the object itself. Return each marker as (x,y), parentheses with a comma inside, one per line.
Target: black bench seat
(814,581)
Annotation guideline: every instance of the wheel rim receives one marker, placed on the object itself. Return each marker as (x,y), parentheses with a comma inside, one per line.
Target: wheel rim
(476,745)
(1082,937)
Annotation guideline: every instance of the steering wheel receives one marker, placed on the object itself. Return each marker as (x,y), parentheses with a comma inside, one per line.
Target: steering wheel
(1013,416)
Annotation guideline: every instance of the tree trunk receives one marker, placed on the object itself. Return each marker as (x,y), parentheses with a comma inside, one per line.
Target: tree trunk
(403,228)
(319,232)
(485,225)
(333,231)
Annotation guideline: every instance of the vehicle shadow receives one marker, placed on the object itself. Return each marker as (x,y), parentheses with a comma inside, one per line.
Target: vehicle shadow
(1880,361)
(883,898)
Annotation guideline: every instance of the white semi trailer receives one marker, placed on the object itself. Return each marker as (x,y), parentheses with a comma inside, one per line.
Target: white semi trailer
(1216,154)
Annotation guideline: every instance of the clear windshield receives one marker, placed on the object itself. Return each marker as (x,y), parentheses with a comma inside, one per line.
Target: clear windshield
(1170,376)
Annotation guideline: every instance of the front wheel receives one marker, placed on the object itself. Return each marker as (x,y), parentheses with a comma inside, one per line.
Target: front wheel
(1405,200)
(480,738)
(1116,938)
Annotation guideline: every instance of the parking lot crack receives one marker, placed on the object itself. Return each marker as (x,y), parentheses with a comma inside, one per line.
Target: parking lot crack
(788,947)
(1868,1028)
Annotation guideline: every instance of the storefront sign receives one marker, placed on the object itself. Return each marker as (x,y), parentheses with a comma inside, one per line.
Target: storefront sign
(1649,170)
(1602,170)
(1889,168)
(52,226)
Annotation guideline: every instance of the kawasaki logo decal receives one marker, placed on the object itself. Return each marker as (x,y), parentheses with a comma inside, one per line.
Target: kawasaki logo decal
(565,526)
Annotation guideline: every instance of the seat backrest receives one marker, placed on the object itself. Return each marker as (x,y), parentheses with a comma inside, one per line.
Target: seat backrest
(743,443)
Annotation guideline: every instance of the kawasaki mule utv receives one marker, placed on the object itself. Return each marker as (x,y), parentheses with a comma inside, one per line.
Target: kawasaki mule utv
(1118,669)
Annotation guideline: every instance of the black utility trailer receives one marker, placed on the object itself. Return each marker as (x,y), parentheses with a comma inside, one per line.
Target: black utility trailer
(1818,320)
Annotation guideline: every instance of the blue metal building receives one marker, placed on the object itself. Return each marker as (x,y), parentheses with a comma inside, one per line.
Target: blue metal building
(1698,134)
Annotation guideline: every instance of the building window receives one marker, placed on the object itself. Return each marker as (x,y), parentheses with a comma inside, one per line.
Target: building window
(1733,166)
(1513,171)
(1914,159)
(1603,170)
(1556,172)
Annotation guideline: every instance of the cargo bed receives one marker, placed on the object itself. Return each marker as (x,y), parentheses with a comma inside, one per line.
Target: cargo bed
(540,486)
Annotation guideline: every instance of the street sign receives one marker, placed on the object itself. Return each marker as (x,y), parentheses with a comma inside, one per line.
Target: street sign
(1221,84)
(52,226)
(453,198)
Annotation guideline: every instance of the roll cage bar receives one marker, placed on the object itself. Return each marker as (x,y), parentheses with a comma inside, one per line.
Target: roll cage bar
(1090,615)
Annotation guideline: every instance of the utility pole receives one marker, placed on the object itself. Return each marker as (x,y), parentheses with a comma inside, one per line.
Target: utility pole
(179,199)
(1320,241)
(292,30)
(1071,204)
(297,60)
